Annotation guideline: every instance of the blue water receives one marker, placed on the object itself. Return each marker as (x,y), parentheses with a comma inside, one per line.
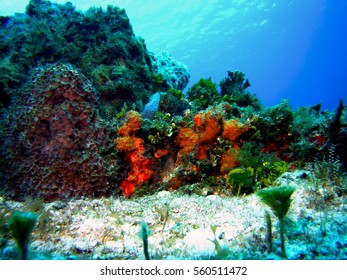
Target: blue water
(292,50)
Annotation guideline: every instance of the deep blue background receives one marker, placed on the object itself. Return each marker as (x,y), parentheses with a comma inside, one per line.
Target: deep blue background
(322,76)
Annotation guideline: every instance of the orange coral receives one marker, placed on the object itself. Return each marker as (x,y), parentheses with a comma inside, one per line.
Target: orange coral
(206,129)
(199,120)
(133,147)
(202,151)
(229,160)
(207,124)
(232,129)
(126,143)
(200,139)
(187,139)
(131,125)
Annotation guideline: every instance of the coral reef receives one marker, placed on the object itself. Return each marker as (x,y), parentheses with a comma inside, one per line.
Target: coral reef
(172,102)
(58,124)
(187,139)
(229,160)
(198,139)
(53,138)
(208,127)
(205,147)
(233,90)
(276,125)
(72,86)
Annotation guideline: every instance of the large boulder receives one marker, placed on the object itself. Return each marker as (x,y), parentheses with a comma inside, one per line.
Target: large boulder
(173,73)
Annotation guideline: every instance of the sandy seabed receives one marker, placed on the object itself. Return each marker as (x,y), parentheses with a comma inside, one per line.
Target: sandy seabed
(180,226)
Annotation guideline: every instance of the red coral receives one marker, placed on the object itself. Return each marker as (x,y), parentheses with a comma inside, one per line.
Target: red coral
(140,172)
(133,147)
(128,187)
(160,153)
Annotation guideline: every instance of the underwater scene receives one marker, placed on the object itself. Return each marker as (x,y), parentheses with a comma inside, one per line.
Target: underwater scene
(111,151)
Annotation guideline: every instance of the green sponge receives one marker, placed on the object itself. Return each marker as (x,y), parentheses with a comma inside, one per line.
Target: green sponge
(21,225)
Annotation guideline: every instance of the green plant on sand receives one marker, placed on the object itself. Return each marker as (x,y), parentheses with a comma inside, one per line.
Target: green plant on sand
(242,178)
(278,199)
(21,225)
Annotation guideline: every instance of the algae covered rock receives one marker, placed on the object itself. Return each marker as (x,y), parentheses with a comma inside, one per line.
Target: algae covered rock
(173,73)
(99,42)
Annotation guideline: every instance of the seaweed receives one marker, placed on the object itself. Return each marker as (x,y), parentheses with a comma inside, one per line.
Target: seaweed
(21,225)
(203,94)
(233,90)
